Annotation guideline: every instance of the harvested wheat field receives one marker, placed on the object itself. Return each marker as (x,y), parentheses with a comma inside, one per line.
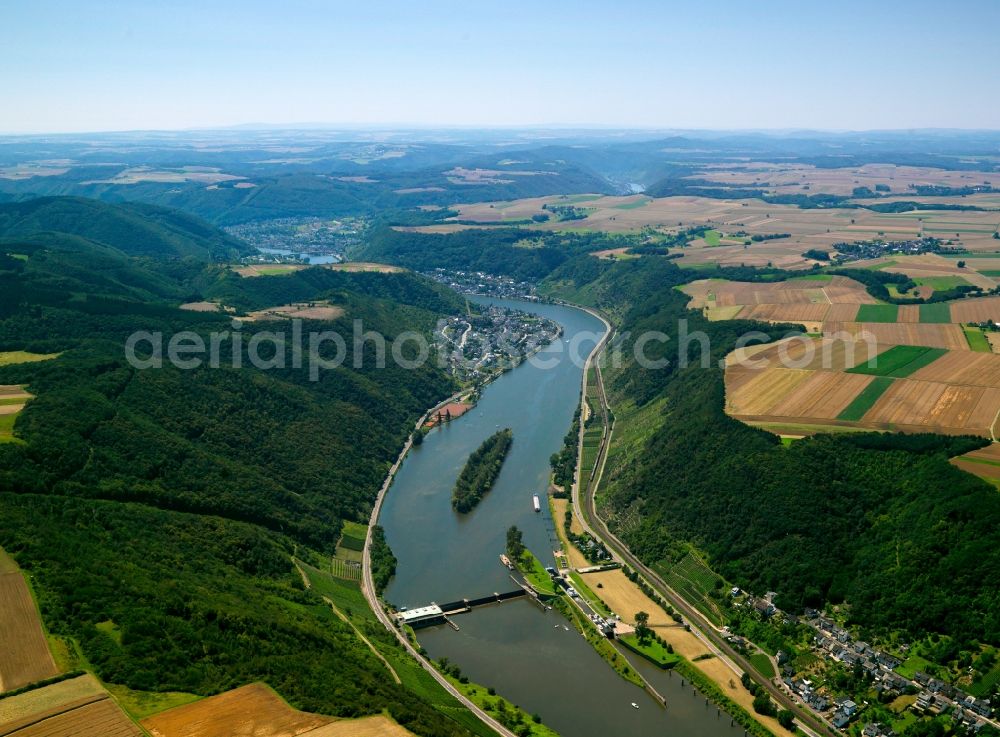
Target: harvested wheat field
(957,393)
(755,392)
(925,405)
(962,367)
(377,726)
(253,711)
(976,310)
(268,269)
(842,312)
(786,312)
(100,717)
(811,302)
(256,711)
(823,396)
(26,657)
(201,306)
(831,354)
(932,335)
(984,462)
(356,266)
(57,698)
(298,310)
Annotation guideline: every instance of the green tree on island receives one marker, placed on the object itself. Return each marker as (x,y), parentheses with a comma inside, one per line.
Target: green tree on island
(515,543)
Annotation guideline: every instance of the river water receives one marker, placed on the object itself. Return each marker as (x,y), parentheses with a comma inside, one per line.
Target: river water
(527,654)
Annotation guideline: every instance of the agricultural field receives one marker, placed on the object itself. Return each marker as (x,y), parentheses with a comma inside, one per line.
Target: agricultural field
(78,707)
(26,657)
(809,302)
(826,382)
(13,397)
(268,269)
(865,400)
(977,340)
(359,266)
(818,228)
(250,710)
(984,463)
(299,311)
(796,178)
(914,368)
(254,270)
(899,361)
(12,357)
(346,562)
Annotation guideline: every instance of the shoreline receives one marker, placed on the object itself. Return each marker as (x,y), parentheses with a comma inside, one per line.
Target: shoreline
(584,508)
(367,583)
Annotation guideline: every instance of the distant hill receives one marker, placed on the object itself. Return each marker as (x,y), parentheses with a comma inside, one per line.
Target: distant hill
(133,228)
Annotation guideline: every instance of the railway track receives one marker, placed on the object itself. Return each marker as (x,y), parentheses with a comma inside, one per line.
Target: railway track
(586,511)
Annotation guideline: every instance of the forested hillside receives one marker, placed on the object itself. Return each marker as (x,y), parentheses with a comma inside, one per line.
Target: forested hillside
(133,228)
(882,522)
(521,254)
(334,188)
(166,504)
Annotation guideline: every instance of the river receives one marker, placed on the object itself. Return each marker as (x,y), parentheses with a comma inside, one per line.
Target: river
(528,655)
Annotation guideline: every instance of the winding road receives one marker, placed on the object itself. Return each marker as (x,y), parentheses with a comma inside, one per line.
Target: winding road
(368,586)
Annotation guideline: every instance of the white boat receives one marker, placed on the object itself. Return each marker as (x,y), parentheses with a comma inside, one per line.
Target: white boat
(538,504)
(635,705)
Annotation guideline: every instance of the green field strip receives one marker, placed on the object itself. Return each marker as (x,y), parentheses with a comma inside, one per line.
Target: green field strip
(633,205)
(941,283)
(936,312)
(899,361)
(860,405)
(974,459)
(877,313)
(990,272)
(942,229)
(977,340)
(812,277)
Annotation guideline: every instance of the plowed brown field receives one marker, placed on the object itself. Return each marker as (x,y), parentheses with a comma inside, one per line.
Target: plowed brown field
(887,333)
(976,310)
(25,654)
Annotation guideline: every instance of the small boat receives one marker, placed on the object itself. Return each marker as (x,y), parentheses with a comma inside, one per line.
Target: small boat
(635,705)
(538,504)
(566,628)
(506,561)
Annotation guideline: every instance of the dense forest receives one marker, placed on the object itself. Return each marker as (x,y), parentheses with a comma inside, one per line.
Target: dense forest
(157,503)
(133,228)
(481,470)
(518,253)
(287,191)
(883,522)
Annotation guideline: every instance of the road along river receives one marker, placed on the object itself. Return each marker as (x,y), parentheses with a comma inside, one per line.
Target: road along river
(535,658)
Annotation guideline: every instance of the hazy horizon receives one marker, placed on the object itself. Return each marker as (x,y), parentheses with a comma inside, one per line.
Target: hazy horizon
(782,66)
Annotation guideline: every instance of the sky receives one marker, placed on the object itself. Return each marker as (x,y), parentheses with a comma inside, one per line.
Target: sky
(73,66)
